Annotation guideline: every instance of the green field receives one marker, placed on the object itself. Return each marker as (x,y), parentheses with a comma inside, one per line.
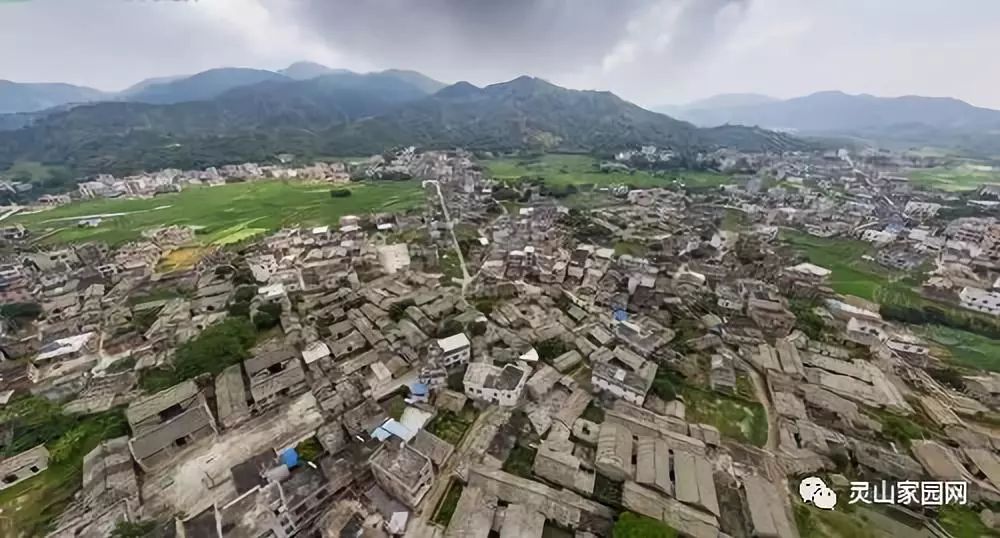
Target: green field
(851,275)
(966,348)
(224,214)
(560,170)
(32,171)
(965,177)
(735,418)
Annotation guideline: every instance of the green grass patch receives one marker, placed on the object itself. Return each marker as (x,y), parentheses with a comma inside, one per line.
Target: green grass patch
(736,418)
(966,348)
(30,507)
(520,461)
(963,177)
(813,522)
(560,170)
(448,504)
(851,275)
(223,213)
(963,521)
(631,248)
(632,525)
(451,427)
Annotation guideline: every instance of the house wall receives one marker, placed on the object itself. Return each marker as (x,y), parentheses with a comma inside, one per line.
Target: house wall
(619,391)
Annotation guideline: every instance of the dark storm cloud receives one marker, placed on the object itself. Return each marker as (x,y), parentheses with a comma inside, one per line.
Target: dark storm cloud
(489,36)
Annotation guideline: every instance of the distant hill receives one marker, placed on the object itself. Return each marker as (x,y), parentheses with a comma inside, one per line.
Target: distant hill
(346,113)
(530,112)
(419,80)
(202,86)
(910,119)
(18,97)
(308,70)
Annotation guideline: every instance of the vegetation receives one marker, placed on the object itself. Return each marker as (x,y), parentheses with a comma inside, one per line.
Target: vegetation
(665,384)
(850,274)
(963,521)
(900,429)
(520,461)
(398,310)
(451,427)
(550,349)
(593,413)
(20,314)
(632,525)
(807,320)
(30,506)
(816,523)
(339,193)
(268,315)
(966,348)
(224,214)
(736,418)
(963,177)
(631,248)
(310,449)
(216,348)
(448,504)
(134,529)
(558,171)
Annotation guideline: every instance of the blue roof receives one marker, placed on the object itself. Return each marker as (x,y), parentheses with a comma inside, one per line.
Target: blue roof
(621,315)
(393,427)
(419,389)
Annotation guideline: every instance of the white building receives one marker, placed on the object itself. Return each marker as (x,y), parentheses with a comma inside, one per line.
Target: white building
(502,386)
(454,350)
(624,383)
(980,300)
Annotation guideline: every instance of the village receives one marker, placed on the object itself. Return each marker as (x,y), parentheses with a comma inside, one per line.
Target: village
(510,361)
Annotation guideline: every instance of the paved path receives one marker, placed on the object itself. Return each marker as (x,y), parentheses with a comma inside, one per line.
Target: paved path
(466,279)
(760,388)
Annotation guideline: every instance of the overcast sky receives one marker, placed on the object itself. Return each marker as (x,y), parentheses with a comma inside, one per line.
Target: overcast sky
(649,51)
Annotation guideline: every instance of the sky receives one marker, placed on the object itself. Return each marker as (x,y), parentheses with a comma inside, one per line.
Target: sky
(653,52)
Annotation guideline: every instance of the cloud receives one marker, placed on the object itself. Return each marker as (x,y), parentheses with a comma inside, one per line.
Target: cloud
(649,51)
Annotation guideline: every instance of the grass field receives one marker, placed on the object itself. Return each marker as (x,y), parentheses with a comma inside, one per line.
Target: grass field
(963,177)
(224,214)
(851,275)
(34,171)
(736,418)
(559,170)
(966,348)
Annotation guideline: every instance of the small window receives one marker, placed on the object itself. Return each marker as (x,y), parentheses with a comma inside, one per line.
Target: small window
(9,479)
(33,468)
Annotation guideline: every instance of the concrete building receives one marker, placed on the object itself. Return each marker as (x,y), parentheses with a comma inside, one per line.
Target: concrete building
(452,351)
(614,451)
(502,386)
(166,422)
(623,382)
(980,300)
(403,471)
(23,466)
(275,375)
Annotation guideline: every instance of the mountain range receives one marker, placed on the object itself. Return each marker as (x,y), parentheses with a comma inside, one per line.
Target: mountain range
(233,115)
(907,120)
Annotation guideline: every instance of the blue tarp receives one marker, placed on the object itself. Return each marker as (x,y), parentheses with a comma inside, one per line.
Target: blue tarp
(419,389)
(621,315)
(290,458)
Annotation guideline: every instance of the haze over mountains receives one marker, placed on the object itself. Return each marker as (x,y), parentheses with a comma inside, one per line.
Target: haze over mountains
(229,115)
(907,120)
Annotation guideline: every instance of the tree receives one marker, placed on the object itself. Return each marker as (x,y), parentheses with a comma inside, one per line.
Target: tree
(268,315)
(339,193)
